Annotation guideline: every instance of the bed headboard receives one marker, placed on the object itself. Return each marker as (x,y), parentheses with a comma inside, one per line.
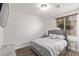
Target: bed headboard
(60,32)
(56,32)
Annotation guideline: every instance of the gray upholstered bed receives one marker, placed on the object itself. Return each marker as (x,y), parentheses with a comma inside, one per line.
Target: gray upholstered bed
(50,47)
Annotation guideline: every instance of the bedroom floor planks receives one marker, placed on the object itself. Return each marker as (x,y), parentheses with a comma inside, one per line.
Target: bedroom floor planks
(70,53)
(25,52)
(28,52)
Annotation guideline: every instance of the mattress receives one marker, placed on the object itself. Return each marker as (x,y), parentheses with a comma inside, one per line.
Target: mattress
(49,47)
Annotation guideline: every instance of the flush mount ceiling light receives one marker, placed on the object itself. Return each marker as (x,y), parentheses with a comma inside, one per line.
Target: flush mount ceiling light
(44,6)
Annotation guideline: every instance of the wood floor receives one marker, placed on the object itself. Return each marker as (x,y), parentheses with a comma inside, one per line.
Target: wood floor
(25,52)
(28,52)
(70,53)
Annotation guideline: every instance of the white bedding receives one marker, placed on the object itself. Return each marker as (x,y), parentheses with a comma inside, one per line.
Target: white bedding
(54,46)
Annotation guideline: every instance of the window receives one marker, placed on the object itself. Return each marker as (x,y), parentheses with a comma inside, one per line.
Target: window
(67,23)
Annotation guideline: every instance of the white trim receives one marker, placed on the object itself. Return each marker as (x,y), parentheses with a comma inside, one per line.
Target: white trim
(67,13)
(23,45)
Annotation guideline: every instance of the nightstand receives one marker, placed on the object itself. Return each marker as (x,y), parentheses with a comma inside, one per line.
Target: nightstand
(73,43)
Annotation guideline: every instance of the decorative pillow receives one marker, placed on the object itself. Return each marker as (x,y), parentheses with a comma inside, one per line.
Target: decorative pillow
(56,36)
(60,37)
(52,36)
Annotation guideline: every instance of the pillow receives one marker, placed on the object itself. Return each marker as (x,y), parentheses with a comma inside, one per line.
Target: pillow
(60,37)
(52,36)
(56,36)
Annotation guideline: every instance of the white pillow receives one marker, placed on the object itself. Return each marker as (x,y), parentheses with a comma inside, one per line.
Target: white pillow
(56,36)
(60,37)
(52,36)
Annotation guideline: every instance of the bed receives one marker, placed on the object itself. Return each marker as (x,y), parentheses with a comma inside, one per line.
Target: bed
(50,46)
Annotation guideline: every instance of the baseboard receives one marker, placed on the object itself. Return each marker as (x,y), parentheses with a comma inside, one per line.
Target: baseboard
(23,45)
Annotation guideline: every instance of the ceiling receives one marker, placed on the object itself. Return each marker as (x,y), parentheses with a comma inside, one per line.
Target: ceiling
(51,12)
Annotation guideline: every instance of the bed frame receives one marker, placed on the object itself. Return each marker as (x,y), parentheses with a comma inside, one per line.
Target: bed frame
(38,53)
(60,32)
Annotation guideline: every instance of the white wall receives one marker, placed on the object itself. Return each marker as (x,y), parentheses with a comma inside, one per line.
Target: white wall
(22,27)
(1,36)
(51,24)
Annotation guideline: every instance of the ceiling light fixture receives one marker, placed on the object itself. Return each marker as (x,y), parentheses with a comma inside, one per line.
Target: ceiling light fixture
(44,6)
